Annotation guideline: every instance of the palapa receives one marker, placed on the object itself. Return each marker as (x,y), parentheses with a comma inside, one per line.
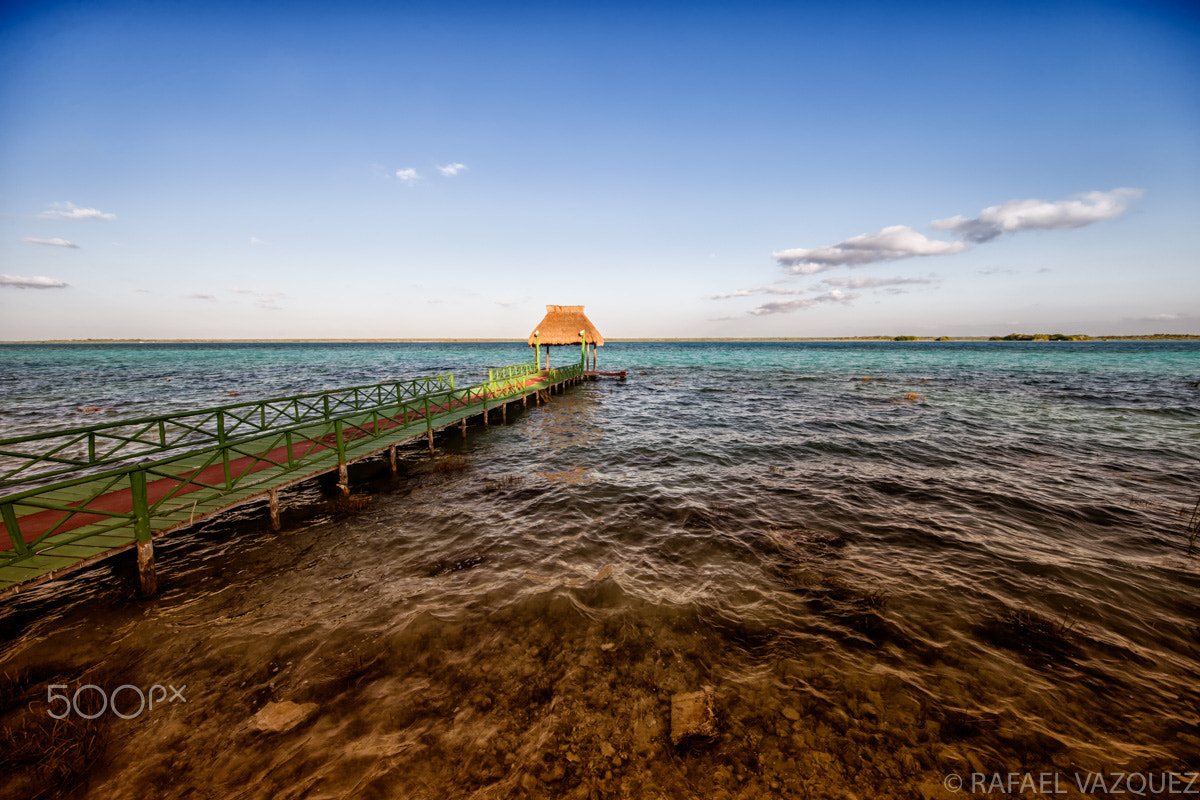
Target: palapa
(562,325)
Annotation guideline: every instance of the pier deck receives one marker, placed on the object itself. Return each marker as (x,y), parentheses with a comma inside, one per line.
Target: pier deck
(70,498)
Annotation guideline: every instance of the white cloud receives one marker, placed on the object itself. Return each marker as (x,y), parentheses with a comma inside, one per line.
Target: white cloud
(872,283)
(450,170)
(889,244)
(408,175)
(72,211)
(786,306)
(18,282)
(757,290)
(56,242)
(1019,215)
(201,296)
(256,240)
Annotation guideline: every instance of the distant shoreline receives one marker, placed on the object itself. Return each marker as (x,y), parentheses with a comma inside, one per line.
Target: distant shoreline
(1024,337)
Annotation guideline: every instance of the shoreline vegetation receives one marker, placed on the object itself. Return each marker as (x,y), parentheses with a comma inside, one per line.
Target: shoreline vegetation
(1011,337)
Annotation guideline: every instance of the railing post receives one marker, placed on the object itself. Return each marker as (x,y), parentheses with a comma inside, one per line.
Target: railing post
(343,470)
(91,448)
(14,530)
(428,425)
(224,449)
(142,532)
(326,399)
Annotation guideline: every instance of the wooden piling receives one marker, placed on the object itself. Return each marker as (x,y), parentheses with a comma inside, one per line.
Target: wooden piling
(344,480)
(504,413)
(274,503)
(392,459)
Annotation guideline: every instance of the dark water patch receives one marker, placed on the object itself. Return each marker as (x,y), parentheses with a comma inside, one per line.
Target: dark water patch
(1039,640)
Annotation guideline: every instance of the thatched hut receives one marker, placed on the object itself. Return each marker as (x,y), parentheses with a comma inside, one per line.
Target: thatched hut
(566,325)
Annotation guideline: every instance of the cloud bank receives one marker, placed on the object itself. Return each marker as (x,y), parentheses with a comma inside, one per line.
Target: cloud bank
(889,244)
(18,282)
(450,170)
(72,211)
(56,242)
(408,175)
(900,241)
(1022,215)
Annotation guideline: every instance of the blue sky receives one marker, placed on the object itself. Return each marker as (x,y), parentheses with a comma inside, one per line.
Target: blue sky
(177,170)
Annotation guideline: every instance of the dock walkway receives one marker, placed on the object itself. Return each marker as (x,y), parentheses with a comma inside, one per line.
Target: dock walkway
(70,498)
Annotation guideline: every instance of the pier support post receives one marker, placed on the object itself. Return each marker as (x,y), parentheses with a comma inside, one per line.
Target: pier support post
(504,413)
(343,472)
(274,502)
(392,459)
(147,578)
(142,533)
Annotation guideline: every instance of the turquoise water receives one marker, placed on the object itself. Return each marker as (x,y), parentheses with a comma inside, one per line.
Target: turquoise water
(891,561)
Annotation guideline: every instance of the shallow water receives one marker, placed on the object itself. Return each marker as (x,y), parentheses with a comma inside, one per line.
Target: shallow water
(891,562)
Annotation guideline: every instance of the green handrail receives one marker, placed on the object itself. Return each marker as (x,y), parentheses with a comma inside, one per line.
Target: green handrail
(62,452)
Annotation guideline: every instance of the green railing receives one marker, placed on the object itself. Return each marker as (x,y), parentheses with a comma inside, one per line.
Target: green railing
(238,460)
(515,371)
(38,457)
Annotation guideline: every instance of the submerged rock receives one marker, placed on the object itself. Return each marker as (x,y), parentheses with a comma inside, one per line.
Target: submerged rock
(280,717)
(692,714)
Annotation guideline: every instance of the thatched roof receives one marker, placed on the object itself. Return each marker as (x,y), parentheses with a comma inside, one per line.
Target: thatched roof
(562,325)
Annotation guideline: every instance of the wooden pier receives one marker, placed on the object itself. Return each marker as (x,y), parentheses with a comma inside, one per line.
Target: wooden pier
(73,497)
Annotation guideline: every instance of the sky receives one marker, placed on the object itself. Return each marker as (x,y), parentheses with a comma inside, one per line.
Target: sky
(445,170)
